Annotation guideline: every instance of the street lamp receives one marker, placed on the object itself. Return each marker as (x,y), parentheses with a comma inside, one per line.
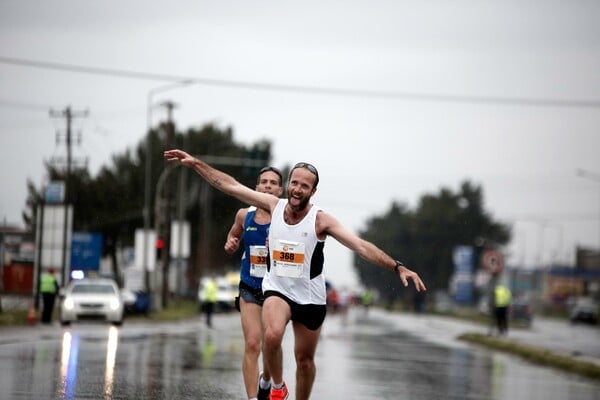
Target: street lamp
(554,256)
(596,178)
(148,170)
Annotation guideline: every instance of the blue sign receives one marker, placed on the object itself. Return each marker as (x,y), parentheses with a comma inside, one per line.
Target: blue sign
(463,258)
(464,263)
(86,251)
(55,192)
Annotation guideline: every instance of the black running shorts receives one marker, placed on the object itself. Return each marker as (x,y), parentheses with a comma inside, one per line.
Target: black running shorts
(250,295)
(309,315)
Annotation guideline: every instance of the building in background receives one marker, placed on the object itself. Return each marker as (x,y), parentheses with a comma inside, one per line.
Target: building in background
(17,253)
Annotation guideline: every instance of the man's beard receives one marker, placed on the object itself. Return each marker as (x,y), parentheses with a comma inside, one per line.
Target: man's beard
(301,206)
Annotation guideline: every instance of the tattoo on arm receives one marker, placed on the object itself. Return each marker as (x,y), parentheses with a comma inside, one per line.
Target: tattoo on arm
(217,182)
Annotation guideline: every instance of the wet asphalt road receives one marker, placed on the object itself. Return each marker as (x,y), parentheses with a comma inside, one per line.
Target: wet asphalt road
(365,357)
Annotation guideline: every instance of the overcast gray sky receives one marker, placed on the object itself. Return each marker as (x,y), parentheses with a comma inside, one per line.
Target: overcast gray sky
(503,93)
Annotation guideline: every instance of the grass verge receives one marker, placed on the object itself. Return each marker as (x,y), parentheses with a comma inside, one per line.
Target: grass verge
(175,310)
(13,318)
(536,355)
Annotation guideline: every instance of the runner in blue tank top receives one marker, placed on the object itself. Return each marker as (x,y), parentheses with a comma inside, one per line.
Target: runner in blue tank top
(251,228)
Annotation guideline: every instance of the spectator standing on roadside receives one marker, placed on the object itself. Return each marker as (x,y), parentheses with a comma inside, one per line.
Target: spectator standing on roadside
(294,285)
(49,289)
(367,300)
(502,299)
(251,227)
(210,299)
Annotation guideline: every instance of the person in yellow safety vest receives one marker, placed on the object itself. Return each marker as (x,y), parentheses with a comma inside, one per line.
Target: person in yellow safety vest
(367,300)
(210,299)
(49,290)
(502,299)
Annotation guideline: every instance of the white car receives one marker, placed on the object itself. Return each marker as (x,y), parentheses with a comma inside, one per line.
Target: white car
(92,299)
(585,309)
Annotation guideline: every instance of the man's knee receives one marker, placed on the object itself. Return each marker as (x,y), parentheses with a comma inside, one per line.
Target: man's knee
(253,345)
(305,363)
(304,356)
(273,337)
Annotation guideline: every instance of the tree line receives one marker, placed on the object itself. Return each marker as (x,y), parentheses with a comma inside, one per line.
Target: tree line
(425,238)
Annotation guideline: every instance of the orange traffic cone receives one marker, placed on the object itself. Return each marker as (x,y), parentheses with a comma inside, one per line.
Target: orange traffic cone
(31,317)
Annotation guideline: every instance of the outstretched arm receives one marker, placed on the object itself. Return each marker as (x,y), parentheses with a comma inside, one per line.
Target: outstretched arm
(222,181)
(328,225)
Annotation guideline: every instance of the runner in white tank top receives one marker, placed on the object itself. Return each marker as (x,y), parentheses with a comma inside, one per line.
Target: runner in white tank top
(296,255)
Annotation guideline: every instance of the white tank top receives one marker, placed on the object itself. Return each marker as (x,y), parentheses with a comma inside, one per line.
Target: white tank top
(296,258)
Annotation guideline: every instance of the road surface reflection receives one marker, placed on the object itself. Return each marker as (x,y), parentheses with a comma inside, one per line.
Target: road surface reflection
(358,358)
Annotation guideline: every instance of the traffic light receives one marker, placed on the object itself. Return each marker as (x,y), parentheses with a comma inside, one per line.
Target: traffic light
(160,244)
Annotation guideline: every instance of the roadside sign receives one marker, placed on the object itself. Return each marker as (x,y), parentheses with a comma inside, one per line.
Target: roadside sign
(493,261)
(463,258)
(55,192)
(86,251)
(145,243)
(180,239)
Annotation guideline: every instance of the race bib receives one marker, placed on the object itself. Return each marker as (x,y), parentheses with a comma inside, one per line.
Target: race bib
(288,258)
(258,261)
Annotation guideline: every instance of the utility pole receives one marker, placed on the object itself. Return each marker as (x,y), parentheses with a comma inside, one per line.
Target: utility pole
(68,114)
(149,278)
(168,197)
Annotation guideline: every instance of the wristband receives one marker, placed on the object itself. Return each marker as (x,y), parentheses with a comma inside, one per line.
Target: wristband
(398,265)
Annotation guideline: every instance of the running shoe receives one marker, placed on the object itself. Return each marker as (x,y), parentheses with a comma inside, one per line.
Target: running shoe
(279,394)
(263,394)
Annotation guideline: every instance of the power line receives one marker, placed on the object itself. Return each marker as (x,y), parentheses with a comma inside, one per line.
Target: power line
(524,101)
(571,217)
(23,106)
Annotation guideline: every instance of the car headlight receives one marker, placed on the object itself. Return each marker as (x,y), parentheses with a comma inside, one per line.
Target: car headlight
(69,304)
(114,304)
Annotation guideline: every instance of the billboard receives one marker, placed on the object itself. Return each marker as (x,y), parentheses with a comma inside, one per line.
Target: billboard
(86,251)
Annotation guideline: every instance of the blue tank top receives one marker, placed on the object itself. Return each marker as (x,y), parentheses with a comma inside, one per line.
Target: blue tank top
(253,235)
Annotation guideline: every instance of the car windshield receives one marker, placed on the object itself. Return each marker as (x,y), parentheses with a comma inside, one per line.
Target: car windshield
(94,288)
